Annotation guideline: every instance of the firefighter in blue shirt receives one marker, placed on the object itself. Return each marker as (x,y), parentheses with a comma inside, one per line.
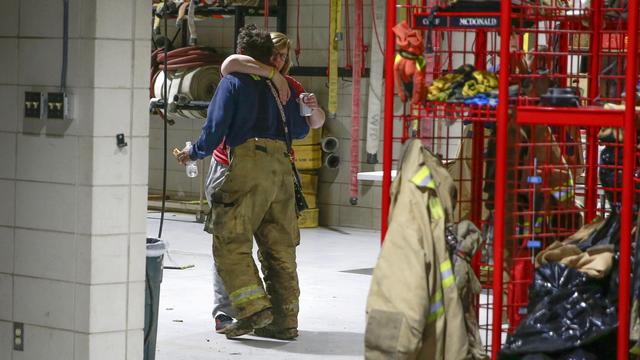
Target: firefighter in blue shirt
(257,195)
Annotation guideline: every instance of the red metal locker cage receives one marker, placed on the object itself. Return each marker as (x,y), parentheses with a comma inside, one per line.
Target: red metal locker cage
(546,157)
(462,134)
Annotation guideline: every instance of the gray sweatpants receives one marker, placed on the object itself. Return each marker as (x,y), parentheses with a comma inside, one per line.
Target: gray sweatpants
(221,302)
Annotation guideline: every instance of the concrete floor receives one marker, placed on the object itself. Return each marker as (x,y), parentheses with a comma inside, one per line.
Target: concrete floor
(334,266)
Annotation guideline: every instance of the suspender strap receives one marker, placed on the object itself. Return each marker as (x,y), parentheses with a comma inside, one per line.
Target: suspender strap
(283,117)
(301,202)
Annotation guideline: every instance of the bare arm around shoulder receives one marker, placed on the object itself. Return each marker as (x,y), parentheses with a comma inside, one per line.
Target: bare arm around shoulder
(248,65)
(316,120)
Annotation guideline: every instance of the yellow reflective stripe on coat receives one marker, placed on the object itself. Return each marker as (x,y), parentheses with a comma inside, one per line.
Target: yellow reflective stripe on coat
(421,63)
(562,193)
(437,307)
(537,226)
(397,59)
(245,294)
(435,208)
(446,271)
(423,178)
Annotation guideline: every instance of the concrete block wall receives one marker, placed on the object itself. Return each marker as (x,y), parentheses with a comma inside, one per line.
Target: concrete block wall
(333,192)
(73,214)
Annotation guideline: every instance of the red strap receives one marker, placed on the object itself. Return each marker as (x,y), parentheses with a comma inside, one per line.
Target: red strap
(355,103)
(296,85)
(221,154)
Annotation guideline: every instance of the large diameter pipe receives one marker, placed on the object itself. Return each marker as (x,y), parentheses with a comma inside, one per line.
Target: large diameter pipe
(329,144)
(332,161)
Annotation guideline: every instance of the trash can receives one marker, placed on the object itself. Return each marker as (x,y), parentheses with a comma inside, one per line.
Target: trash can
(155,254)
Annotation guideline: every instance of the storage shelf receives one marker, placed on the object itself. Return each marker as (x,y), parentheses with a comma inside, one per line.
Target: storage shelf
(210,10)
(582,116)
(374,175)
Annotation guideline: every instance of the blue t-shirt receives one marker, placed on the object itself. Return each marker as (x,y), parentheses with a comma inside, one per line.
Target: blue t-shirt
(243,108)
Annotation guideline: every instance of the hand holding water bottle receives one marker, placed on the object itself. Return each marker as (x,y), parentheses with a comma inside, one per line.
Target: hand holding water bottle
(184,158)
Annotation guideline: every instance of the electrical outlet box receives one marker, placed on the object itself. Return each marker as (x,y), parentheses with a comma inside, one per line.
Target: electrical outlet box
(57,105)
(34,103)
(18,336)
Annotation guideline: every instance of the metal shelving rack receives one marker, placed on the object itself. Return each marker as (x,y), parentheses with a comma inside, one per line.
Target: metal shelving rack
(569,24)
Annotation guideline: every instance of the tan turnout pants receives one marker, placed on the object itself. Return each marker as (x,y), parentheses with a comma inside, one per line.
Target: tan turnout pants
(257,197)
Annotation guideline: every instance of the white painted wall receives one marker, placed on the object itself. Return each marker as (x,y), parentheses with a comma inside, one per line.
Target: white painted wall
(73,214)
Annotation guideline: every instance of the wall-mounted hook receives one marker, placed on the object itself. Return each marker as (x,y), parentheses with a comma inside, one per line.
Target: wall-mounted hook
(120,141)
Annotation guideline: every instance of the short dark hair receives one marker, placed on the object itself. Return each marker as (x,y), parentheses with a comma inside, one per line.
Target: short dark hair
(255,43)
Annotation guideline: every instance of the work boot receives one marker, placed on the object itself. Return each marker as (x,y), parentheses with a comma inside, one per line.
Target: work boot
(223,322)
(276,333)
(244,326)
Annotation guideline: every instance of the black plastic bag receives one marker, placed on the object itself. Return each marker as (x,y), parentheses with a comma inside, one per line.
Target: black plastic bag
(567,310)
(607,234)
(578,354)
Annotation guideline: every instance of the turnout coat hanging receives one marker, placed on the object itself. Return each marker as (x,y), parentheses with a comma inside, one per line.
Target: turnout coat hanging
(413,308)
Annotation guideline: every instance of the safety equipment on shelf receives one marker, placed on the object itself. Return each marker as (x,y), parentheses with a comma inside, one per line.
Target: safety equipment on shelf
(490,100)
(440,89)
(162,9)
(180,7)
(185,58)
(464,84)
(191,20)
(409,65)
(413,283)
(193,75)
(196,84)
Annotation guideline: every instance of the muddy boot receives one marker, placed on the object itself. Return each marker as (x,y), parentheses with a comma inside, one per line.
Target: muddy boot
(276,333)
(244,326)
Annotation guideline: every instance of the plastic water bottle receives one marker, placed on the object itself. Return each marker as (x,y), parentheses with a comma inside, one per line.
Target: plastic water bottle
(192,166)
